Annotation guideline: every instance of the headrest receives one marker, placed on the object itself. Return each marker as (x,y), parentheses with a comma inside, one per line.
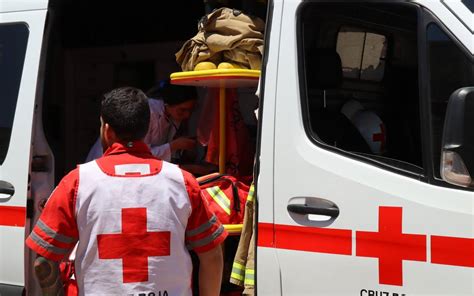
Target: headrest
(324,68)
(350,109)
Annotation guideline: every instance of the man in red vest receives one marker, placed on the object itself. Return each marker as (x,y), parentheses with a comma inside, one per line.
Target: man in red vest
(135,217)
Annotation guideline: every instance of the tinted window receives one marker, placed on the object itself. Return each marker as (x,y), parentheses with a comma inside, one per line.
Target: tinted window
(361,92)
(13,41)
(450,69)
(469,4)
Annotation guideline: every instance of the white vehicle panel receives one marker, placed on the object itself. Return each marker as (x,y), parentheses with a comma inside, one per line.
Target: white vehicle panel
(22,5)
(267,267)
(462,12)
(16,165)
(439,221)
(265,179)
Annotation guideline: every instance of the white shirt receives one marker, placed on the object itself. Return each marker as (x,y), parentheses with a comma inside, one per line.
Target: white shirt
(160,133)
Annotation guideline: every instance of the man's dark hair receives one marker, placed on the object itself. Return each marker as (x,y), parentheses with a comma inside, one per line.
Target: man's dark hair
(126,110)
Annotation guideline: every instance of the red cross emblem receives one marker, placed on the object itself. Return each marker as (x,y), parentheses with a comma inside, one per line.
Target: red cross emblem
(380,137)
(134,245)
(391,246)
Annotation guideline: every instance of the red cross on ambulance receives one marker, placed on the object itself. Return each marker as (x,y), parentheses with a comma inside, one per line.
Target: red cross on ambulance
(391,247)
(389,244)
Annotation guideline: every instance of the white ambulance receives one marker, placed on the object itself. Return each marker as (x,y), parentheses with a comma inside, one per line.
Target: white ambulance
(365,150)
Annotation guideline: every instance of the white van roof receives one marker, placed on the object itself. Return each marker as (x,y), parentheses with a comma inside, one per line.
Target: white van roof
(22,5)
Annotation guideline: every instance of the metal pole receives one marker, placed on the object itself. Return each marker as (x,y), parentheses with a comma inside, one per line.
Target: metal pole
(222,129)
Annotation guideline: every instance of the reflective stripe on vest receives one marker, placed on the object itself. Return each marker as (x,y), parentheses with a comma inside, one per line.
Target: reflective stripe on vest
(220,198)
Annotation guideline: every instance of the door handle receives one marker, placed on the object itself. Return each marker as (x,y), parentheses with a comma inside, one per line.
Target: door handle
(326,210)
(7,189)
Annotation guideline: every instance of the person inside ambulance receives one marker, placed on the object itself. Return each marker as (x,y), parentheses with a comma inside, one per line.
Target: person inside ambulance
(170,106)
(133,234)
(371,134)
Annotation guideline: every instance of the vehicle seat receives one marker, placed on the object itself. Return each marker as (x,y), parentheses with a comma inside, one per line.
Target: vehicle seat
(325,99)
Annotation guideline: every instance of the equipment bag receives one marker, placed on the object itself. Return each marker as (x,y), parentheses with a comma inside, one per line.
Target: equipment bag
(226,196)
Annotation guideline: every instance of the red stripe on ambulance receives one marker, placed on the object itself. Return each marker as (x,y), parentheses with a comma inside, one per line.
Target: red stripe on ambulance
(310,239)
(12,216)
(320,240)
(389,244)
(456,251)
(265,235)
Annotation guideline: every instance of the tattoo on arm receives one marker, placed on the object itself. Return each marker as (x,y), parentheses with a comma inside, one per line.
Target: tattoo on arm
(47,273)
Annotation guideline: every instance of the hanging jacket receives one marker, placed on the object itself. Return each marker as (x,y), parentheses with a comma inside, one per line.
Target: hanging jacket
(243,268)
(225,35)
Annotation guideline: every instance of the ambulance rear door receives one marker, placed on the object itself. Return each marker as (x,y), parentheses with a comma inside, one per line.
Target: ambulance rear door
(359,204)
(21,31)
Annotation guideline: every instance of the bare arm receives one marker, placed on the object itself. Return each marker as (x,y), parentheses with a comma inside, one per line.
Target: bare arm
(49,279)
(211,264)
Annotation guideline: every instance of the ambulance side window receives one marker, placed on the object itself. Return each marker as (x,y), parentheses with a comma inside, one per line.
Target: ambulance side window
(454,72)
(359,90)
(13,42)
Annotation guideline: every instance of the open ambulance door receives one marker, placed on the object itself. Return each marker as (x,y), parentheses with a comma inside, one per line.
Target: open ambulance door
(359,206)
(21,32)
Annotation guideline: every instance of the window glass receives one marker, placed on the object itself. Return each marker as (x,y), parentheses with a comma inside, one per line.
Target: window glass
(350,47)
(450,69)
(469,4)
(13,41)
(362,54)
(361,92)
(373,63)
